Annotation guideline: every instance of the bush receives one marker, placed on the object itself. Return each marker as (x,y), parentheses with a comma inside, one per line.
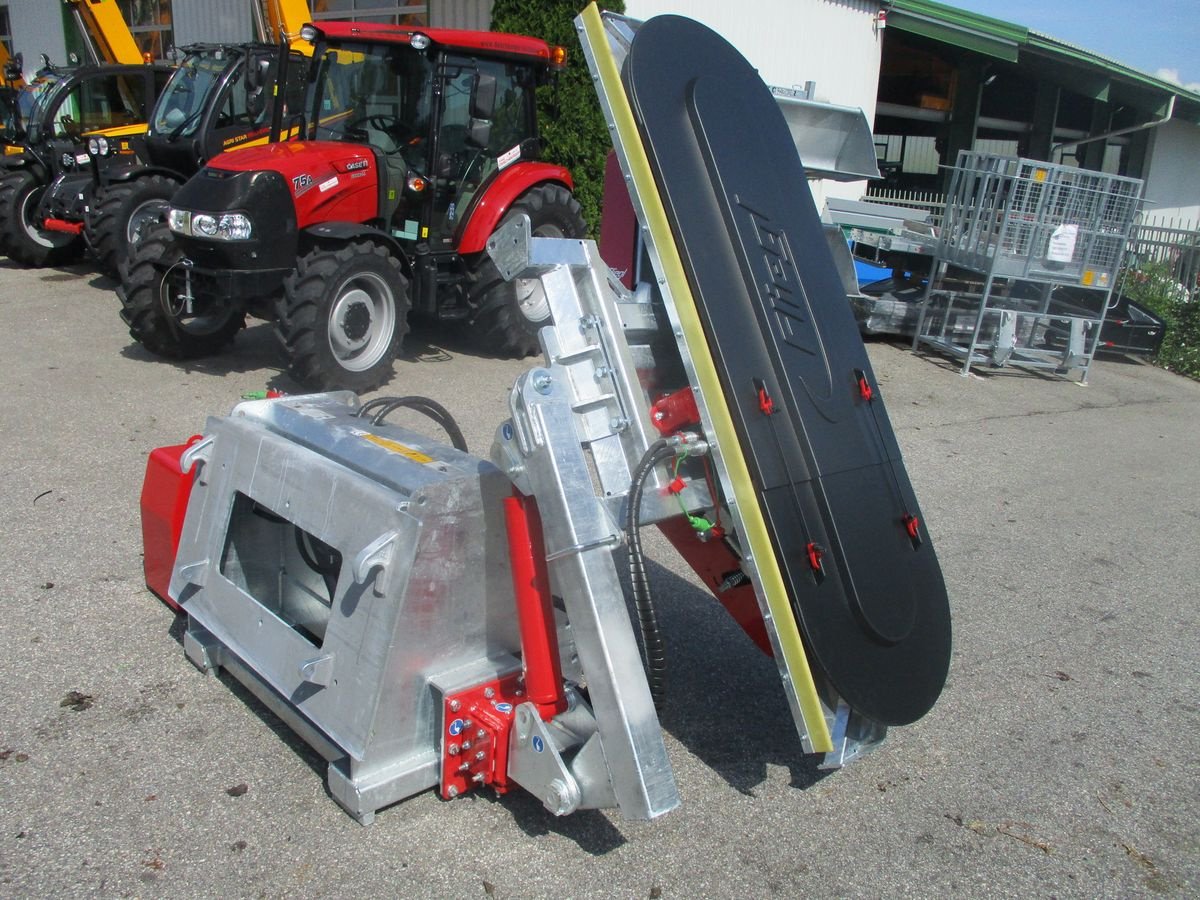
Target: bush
(1154,286)
(572,127)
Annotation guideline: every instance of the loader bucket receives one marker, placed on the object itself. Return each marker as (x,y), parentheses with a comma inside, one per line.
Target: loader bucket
(834,142)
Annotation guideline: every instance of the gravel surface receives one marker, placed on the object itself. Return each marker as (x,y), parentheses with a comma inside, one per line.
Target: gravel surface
(1062,759)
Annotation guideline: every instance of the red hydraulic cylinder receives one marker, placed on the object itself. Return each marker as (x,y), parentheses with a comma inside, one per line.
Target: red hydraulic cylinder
(535,609)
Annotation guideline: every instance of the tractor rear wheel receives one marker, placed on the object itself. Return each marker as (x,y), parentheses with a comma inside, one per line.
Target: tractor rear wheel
(121,216)
(508,314)
(343,316)
(23,240)
(154,307)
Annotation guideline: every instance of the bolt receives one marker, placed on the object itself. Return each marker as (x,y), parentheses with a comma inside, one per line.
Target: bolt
(467,724)
(659,415)
(542,382)
(558,798)
(454,749)
(465,767)
(480,756)
(466,745)
(452,792)
(480,734)
(489,692)
(618,423)
(586,322)
(602,372)
(454,705)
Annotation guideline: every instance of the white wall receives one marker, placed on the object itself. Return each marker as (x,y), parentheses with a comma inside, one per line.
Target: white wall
(1173,177)
(36,29)
(790,42)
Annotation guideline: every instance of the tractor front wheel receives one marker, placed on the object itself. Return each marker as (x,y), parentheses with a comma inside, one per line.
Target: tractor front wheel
(158,305)
(121,216)
(508,314)
(22,238)
(343,316)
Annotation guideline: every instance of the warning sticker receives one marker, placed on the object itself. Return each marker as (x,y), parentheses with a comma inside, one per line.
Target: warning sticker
(327,184)
(508,157)
(395,447)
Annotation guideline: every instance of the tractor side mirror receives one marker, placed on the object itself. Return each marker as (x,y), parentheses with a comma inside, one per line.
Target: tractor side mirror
(483,99)
(479,132)
(256,79)
(256,101)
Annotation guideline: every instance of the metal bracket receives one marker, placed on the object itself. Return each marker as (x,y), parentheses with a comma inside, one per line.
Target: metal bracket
(318,670)
(535,763)
(377,554)
(194,573)
(199,452)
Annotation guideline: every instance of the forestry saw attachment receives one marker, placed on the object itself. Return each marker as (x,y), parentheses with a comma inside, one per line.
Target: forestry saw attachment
(426,618)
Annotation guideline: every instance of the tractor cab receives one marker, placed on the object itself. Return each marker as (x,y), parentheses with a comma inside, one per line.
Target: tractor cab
(218,100)
(442,122)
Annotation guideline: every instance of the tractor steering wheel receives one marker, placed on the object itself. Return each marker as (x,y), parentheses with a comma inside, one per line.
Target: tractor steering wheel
(393,126)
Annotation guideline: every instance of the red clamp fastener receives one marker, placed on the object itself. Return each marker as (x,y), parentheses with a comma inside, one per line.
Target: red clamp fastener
(864,386)
(766,403)
(676,486)
(815,553)
(912,525)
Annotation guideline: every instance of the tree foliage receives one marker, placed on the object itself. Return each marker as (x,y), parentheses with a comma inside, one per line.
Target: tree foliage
(572,127)
(1154,286)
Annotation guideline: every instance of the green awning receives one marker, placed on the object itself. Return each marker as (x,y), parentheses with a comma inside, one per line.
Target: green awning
(958,28)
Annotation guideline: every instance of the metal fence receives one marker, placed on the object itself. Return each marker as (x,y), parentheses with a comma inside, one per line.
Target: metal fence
(928,201)
(1156,239)
(1174,242)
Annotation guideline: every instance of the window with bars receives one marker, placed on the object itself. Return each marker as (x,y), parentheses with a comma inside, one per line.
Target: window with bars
(378,11)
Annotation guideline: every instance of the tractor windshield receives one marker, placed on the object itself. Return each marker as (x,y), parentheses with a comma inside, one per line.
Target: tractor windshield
(181,106)
(35,99)
(375,93)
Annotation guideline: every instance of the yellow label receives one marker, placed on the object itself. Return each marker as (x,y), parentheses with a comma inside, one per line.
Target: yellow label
(1040,174)
(1088,277)
(424,232)
(10,150)
(396,447)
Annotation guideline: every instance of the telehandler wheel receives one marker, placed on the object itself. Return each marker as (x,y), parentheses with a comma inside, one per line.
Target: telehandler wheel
(343,316)
(23,240)
(152,305)
(121,216)
(508,314)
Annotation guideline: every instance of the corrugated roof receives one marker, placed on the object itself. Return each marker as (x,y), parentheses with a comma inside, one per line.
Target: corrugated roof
(1050,44)
(1006,40)
(958,27)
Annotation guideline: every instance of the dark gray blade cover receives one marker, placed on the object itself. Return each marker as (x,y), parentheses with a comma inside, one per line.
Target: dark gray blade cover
(874,616)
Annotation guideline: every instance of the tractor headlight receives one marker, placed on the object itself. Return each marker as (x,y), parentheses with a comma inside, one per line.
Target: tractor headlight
(98,146)
(225,227)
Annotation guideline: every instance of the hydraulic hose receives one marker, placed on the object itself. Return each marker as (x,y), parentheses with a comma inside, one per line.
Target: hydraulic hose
(379,408)
(652,642)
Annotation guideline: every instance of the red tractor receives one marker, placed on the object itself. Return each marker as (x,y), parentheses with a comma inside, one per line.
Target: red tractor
(418,144)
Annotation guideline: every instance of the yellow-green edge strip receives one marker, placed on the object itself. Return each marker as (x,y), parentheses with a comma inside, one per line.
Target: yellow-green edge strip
(721,422)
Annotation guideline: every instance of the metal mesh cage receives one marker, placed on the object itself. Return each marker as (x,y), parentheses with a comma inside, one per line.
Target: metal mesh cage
(1030,219)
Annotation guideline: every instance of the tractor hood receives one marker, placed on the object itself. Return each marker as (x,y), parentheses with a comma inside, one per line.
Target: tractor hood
(294,159)
(328,180)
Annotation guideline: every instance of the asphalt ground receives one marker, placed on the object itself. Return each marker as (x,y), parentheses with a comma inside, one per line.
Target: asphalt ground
(1062,759)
